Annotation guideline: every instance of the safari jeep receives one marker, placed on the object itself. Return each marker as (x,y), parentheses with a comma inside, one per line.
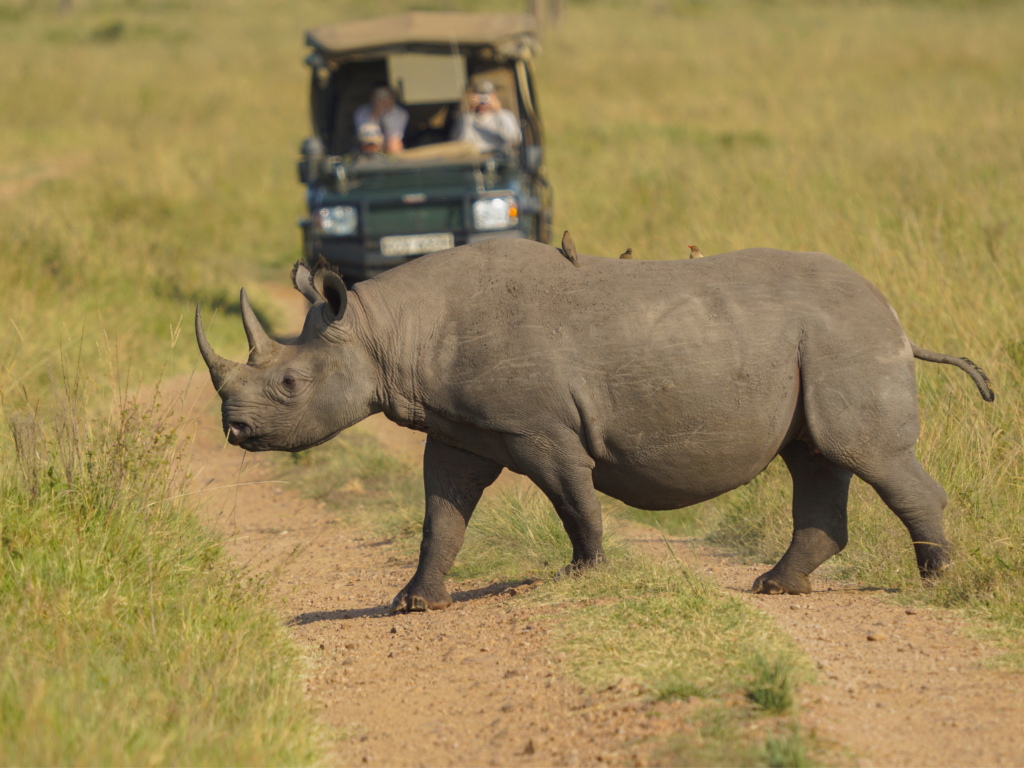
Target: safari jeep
(371,212)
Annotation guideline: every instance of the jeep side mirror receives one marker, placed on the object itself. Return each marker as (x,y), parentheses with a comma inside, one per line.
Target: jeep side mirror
(309,166)
(534,155)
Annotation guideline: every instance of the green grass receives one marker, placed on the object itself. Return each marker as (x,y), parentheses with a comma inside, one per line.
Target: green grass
(692,521)
(127,638)
(672,629)
(772,686)
(718,735)
(786,749)
(680,638)
(517,535)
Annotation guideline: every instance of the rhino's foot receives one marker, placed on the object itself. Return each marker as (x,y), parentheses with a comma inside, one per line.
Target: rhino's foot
(933,560)
(773,583)
(577,567)
(934,571)
(415,599)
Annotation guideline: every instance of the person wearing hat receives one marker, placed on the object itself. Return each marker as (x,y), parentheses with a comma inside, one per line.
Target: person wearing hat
(487,125)
(387,115)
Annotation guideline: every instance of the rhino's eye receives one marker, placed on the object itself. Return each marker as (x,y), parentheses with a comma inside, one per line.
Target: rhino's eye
(291,383)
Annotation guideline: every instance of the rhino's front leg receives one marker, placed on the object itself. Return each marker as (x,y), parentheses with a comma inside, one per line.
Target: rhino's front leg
(454,481)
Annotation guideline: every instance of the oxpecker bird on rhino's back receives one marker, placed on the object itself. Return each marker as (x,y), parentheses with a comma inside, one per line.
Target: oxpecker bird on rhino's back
(659,383)
(569,249)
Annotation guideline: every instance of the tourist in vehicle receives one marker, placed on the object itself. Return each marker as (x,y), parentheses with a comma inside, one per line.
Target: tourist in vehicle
(487,125)
(383,110)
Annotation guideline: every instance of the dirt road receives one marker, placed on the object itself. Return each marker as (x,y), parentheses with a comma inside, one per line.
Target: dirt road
(479,684)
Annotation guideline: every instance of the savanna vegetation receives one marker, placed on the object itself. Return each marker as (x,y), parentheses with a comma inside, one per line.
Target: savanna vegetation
(128,639)
(147,163)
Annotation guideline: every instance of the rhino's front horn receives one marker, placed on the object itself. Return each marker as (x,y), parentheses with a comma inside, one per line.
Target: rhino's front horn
(220,368)
(263,348)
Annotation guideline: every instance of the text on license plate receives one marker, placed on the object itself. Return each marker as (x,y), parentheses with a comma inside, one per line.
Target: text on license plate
(412,245)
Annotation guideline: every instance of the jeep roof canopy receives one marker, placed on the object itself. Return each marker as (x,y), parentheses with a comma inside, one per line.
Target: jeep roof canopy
(511,36)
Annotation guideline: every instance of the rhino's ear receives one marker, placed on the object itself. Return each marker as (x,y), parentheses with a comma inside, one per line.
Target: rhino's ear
(302,279)
(330,285)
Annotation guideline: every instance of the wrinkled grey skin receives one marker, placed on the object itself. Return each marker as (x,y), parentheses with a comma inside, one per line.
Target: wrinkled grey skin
(661,384)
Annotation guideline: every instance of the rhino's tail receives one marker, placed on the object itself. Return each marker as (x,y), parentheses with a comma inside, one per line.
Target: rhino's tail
(972,370)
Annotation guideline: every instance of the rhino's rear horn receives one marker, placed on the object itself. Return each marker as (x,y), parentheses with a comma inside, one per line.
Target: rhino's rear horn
(262,347)
(220,368)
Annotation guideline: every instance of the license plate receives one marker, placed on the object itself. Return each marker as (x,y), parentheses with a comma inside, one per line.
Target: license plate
(414,245)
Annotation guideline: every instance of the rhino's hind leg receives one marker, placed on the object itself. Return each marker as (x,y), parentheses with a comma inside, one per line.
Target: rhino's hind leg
(453,480)
(918,501)
(820,492)
(565,474)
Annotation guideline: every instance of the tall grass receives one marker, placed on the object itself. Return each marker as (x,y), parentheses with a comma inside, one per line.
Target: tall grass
(127,639)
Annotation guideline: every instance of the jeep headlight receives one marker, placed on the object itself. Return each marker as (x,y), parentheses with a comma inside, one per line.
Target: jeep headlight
(337,221)
(495,213)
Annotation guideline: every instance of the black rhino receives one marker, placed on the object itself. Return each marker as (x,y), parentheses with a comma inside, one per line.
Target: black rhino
(660,383)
